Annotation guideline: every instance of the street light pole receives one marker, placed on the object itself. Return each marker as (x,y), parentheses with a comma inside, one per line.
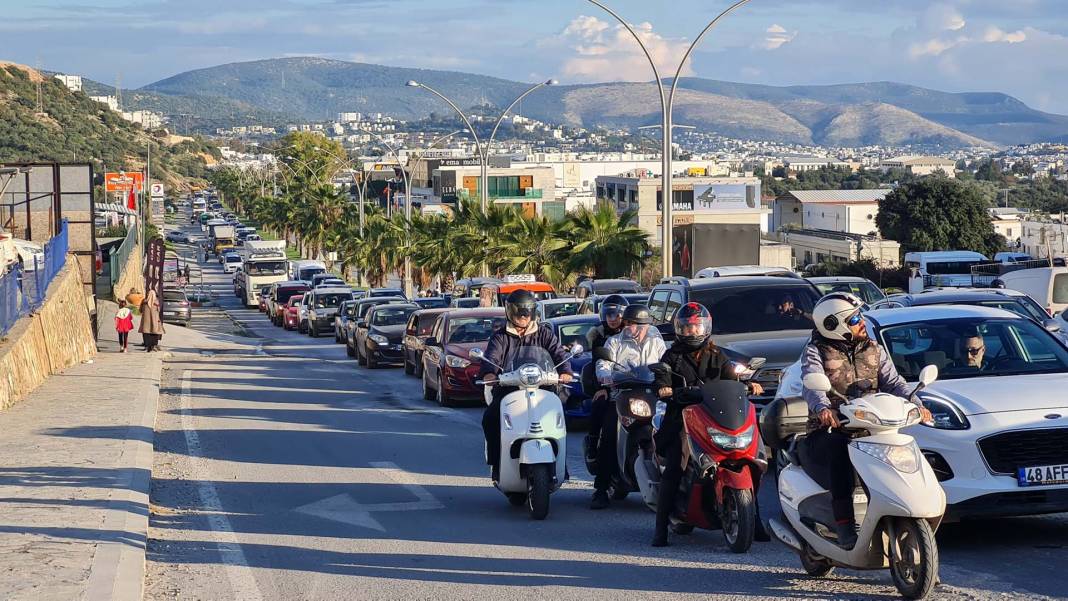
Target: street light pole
(666,102)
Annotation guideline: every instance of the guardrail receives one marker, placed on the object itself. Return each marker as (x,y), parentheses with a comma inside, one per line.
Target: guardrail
(119,256)
(24,286)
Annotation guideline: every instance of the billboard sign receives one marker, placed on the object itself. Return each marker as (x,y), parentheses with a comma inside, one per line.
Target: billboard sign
(121,181)
(157,191)
(721,197)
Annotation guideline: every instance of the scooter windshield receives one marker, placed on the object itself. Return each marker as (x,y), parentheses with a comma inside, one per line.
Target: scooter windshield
(531,355)
(727,401)
(639,375)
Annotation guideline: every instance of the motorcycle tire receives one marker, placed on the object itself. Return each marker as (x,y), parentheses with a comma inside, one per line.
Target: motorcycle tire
(814,565)
(517,499)
(539,485)
(738,516)
(914,570)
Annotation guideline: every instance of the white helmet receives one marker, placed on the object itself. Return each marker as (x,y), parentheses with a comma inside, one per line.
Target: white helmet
(832,313)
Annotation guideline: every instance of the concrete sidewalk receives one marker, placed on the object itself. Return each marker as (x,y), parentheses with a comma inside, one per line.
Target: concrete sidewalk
(75,469)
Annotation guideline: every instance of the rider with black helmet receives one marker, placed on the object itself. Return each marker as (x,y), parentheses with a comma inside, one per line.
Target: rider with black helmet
(520,330)
(638,344)
(611,312)
(693,359)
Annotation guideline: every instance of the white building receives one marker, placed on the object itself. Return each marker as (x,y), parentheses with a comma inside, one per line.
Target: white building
(73,82)
(812,246)
(349,117)
(111,101)
(921,165)
(850,211)
(810,163)
(147,119)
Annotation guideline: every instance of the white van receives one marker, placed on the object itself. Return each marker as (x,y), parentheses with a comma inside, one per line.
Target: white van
(1047,285)
(946,267)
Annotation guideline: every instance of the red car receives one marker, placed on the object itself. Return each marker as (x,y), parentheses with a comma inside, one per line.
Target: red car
(449,374)
(291,314)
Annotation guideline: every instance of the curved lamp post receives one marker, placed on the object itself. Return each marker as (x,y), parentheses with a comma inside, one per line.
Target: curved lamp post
(666,103)
(483,149)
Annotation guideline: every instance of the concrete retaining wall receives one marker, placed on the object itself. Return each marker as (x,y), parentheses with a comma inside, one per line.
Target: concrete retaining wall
(55,337)
(132,276)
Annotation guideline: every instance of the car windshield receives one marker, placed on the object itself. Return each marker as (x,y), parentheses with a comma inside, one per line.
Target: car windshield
(531,355)
(296,299)
(308,273)
(950,267)
(233,259)
(432,303)
(473,329)
(387,292)
(740,310)
(284,294)
(866,291)
(175,295)
(466,303)
(974,347)
(1022,307)
(332,299)
(266,268)
(571,333)
(561,309)
(391,316)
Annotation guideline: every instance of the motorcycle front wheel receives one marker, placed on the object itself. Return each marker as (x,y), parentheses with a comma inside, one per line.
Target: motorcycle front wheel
(539,485)
(913,558)
(738,516)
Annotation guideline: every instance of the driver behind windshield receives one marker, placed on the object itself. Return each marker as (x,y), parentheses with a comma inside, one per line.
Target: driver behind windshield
(787,308)
(841,349)
(973,353)
(638,344)
(521,330)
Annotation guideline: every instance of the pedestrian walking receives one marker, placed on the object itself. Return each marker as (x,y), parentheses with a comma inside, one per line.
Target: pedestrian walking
(151,323)
(123,325)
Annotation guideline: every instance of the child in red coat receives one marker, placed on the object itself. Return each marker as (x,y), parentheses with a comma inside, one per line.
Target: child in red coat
(123,324)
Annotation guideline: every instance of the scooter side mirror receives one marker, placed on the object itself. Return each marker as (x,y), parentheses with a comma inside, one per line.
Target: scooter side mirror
(757,362)
(576,349)
(476,353)
(817,382)
(601,354)
(928,375)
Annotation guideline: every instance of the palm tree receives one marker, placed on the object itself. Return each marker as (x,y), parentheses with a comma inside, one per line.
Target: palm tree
(536,245)
(606,244)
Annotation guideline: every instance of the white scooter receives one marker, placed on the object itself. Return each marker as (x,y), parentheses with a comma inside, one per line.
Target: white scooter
(898,508)
(533,429)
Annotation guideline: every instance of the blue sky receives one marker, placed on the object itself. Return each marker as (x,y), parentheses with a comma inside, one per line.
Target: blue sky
(1012,46)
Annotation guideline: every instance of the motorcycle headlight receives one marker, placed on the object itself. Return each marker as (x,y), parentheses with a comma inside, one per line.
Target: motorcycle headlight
(904,458)
(530,375)
(944,415)
(379,339)
(456,362)
(640,408)
(732,442)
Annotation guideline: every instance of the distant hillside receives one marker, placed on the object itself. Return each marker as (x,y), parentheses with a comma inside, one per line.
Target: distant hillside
(73,128)
(317,89)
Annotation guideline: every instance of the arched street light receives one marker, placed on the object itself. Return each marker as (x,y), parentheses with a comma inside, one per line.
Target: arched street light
(666,102)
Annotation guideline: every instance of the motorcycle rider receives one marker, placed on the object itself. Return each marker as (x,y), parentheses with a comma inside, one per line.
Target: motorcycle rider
(519,331)
(611,324)
(693,359)
(841,349)
(636,345)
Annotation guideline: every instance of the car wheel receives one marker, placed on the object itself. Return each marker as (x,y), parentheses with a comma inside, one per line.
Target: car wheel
(349,350)
(337,337)
(444,400)
(428,392)
(372,361)
(418,367)
(409,368)
(313,331)
(360,359)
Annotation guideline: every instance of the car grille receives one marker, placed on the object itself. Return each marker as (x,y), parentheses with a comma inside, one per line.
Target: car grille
(769,381)
(1007,452)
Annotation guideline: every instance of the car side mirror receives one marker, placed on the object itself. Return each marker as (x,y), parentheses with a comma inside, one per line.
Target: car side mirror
(476,353)
(817,382)
(1052,325)
(601,354)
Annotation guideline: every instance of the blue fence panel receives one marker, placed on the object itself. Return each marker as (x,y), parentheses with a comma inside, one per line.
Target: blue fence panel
(10,299)
(23,288)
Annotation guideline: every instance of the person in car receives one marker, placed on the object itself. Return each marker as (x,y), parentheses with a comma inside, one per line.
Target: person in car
(973,352)
(788,309)
(694,359)
(841,349)
(519,331)
(611,314)
(636,345)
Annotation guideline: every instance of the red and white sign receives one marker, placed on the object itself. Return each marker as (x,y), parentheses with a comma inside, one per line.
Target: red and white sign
(122,181)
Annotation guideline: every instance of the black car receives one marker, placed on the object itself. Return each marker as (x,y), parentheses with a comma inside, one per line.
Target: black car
(432,302)
(363,305)
(377,292)
(420,324)
(591,286)
(752,316)
(345,312)
(379,334)
(591,305)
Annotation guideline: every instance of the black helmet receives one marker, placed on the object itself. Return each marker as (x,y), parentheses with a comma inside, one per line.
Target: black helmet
(519,304)
(613,305)
(694,319)
(637,314)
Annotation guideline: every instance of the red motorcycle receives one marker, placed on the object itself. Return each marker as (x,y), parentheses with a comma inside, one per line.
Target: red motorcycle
(723,459)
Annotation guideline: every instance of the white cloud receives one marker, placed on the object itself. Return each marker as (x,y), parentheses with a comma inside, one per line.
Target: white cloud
(995,34)
(941,17)
(602,52)
(776,37)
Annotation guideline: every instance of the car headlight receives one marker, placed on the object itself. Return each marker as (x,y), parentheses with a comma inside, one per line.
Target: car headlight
(456,362)
(904,458)
(729,442)
(530,375)
(378,338)
(944,415)
(640,408)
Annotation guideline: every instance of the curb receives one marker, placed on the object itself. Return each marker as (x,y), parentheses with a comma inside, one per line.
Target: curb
(118,568)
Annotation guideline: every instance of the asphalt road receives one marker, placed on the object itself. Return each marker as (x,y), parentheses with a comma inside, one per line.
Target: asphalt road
(284,471)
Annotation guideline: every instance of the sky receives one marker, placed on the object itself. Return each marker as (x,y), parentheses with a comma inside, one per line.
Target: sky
(1013,46)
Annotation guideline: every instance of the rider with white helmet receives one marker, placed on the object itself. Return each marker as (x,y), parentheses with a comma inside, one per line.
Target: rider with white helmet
(841,349)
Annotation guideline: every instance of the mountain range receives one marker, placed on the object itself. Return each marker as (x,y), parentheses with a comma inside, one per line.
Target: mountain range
(887,113)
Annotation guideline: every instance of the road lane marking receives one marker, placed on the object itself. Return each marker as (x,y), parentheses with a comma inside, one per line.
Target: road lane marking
(343,508)
(242,582)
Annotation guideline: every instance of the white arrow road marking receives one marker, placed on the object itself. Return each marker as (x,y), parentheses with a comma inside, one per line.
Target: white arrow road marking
(343,508)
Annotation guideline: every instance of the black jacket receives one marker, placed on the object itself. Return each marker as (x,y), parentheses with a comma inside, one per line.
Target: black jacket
(598,335)
(504,343)
(682,361)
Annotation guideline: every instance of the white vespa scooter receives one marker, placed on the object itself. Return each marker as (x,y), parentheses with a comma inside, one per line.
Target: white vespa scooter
(533,429)
(898,508)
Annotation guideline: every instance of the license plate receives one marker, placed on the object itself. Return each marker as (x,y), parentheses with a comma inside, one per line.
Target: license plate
(1042,475)
(170,313)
